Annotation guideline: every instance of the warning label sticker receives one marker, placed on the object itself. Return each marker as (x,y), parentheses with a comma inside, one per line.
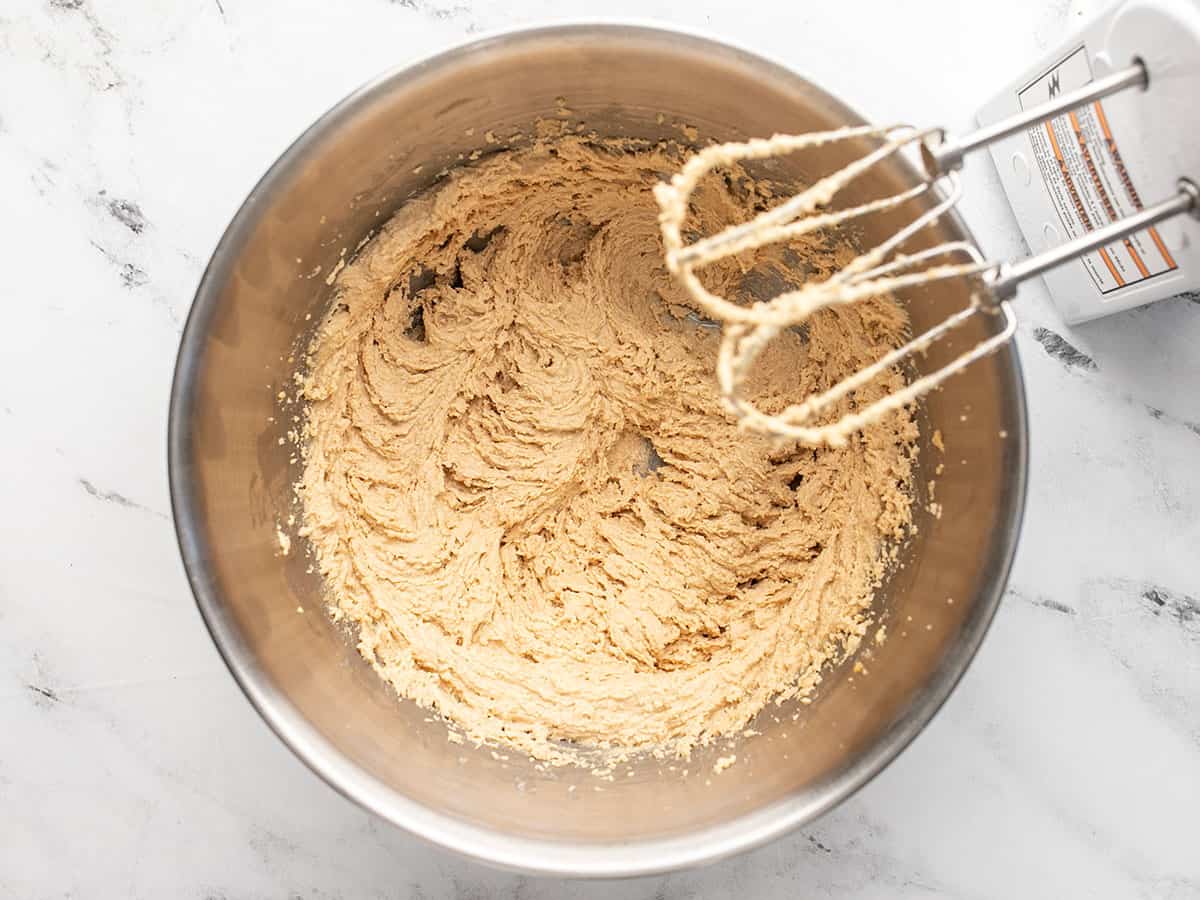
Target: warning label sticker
(1082,169)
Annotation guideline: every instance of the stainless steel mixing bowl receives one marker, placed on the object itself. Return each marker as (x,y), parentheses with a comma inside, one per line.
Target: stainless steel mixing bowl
(231,478)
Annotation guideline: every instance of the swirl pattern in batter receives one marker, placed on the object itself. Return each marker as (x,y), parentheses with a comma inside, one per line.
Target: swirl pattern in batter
(522,491)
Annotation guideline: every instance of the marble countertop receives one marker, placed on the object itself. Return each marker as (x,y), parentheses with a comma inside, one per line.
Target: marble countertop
(1066,764)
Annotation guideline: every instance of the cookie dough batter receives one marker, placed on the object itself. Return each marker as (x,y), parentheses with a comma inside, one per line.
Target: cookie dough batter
(522,490)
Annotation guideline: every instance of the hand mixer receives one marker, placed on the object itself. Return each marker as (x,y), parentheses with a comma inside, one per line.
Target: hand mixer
(1157,45)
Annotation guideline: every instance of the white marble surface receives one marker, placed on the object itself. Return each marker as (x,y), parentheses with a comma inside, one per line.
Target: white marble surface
(1066,764)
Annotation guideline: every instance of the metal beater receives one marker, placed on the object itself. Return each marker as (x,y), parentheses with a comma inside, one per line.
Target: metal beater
(748,329)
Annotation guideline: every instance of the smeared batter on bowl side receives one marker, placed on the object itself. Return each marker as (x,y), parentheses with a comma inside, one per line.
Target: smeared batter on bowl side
(520,485)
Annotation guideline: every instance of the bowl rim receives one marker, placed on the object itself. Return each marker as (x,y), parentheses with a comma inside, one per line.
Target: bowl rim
(526,854)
